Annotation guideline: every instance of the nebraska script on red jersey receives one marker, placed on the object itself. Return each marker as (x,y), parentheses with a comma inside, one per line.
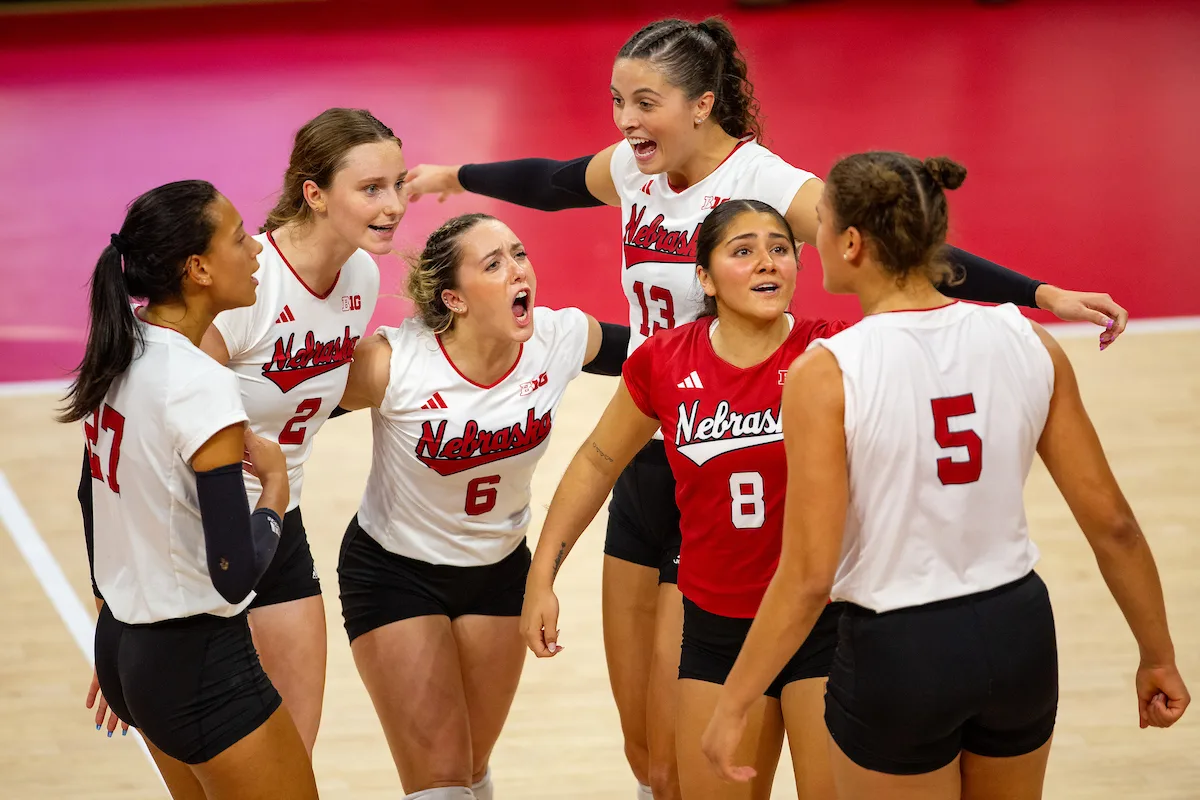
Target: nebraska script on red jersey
(724,438)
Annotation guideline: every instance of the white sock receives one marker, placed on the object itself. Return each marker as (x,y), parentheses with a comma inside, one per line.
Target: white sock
(644,792)
(441,793)
(483,789)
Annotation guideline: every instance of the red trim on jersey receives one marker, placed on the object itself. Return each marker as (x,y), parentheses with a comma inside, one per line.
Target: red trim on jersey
(454,366)
(736,147)
(795,330)
(332,286)
(910,310)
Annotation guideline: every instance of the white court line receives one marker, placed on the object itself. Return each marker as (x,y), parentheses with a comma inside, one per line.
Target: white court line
(34,388)
(54,582)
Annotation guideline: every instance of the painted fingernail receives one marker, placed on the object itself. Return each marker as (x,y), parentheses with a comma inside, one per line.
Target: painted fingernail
(110,734)
(125,732)
(1109,325)
(98,727)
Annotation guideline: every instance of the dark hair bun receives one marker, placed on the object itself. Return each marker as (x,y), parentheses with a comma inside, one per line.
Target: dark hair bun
(946,173)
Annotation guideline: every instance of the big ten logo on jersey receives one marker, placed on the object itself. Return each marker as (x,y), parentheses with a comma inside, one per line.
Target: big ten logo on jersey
(529,387)
(288,368)
(711,202)
(351,302)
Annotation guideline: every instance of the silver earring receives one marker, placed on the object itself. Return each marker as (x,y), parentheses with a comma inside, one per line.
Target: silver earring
(845,256)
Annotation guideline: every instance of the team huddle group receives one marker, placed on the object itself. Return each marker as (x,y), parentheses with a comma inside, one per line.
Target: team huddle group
(816,531)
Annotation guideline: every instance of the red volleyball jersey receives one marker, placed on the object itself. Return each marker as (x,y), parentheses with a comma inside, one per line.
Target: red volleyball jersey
(724,440)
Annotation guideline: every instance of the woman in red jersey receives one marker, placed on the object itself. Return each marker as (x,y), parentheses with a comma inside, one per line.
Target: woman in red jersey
(714,387)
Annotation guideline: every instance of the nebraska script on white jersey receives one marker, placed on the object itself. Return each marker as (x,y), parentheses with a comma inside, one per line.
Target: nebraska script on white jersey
(452,460)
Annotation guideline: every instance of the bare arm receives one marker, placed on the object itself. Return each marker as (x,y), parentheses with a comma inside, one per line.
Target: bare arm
(622,430)
(1075,459)
(370,372)
(818,493)
(620,433)
(599,177)
(802,213)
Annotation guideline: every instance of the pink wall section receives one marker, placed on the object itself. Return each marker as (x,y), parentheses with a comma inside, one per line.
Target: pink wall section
(1076,120)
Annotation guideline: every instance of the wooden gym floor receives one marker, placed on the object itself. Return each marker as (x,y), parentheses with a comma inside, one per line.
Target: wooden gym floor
(563,740)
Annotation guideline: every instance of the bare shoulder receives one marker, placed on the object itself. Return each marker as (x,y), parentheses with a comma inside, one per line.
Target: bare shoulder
(1058,356)
(814,364)
(599,177)
(815,380)
(370,372)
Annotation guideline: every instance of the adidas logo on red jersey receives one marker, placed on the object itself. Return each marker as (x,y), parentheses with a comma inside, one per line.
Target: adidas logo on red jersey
(435,402)
(691,382)
(285,316)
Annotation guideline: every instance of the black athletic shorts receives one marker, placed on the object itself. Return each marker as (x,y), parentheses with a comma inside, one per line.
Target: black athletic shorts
(643,519)
(194,686)
(711,644)
(912,688)
(292,575)
(379,587)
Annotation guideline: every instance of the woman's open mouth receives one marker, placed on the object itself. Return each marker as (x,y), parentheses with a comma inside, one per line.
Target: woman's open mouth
(520,307)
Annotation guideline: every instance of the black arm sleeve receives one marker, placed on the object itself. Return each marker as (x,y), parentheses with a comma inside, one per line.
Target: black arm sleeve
(85,506)
(239,544)
(539,183)
(988,282)
(614,346)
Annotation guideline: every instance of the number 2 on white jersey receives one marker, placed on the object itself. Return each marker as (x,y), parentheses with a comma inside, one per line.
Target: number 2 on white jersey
(746,492)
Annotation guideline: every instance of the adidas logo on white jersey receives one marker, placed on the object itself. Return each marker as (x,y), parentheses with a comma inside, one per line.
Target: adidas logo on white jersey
(435,402)
(285,316)
(691,382)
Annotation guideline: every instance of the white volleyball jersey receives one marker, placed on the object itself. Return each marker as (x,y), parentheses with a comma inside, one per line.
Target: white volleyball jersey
(661,226)
(452,461)
(150,559)
(944,410)
(292,352)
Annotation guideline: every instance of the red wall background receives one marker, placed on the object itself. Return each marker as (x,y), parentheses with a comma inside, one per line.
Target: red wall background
(1078,122)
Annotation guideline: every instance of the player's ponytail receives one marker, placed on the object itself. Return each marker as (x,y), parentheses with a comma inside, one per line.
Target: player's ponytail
(736,108)
(699,58)
(898,204)
(147,259)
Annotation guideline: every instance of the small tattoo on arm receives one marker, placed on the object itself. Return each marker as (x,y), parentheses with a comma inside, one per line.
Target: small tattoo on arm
(603,454)
(558,559)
